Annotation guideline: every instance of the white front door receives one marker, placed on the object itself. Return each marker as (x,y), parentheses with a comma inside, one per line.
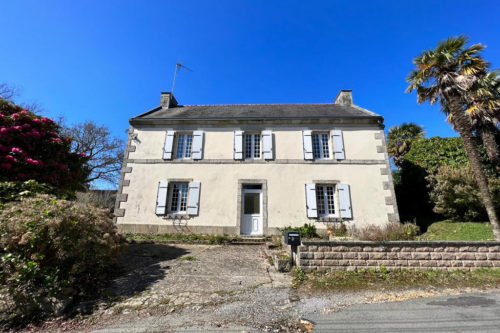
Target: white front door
(251,223)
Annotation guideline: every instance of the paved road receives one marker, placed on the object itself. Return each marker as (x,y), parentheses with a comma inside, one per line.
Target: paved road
(464,313)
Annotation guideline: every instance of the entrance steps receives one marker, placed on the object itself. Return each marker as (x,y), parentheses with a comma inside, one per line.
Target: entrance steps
(250,240)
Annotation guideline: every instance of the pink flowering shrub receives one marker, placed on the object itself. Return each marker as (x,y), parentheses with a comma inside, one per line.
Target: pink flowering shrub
(32,148)
(51,252)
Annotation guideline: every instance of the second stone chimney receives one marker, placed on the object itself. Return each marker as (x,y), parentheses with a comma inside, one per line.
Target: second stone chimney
(167,100)
(344,97)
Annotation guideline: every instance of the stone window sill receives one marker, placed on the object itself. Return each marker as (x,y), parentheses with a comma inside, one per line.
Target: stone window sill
(176,216)
(329,219)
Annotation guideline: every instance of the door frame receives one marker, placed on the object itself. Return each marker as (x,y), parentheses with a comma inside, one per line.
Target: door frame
(239,205)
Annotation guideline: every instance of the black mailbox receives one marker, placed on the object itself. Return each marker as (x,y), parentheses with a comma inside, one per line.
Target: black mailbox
(291,238)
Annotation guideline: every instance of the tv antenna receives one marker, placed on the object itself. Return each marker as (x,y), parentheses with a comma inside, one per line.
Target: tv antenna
(178,66)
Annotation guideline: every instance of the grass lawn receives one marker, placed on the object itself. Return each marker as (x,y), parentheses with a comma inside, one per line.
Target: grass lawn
(450,230)
(383,279)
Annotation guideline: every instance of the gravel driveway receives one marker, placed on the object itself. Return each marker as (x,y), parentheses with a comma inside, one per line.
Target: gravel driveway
(195,288)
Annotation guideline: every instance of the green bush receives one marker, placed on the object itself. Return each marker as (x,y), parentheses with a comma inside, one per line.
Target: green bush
(424,158)
(15,191)
(52,252)
(434,152)
(308,230)
(456,194)
(389,232)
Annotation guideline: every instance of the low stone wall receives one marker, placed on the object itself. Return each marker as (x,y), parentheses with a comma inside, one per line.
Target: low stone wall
(352,255)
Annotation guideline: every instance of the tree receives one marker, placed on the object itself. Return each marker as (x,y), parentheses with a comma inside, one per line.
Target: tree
(400,138)
(444,75)
(483,107)
(104,152)
(32,147)
(8,92)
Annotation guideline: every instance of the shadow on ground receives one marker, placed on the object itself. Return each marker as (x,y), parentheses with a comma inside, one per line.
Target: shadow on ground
(137,268)
(142,265)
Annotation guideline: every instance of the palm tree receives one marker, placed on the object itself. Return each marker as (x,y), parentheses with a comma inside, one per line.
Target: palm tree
(445,75)
(483,106)
(400,138)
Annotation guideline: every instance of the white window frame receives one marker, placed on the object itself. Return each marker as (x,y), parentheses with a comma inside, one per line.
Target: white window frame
(320,155)
(177,189)
(323,202)
(252,145)
(183,153)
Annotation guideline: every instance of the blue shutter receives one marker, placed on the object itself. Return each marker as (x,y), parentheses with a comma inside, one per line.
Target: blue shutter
(307,145)
(312,210)
(238,145)
(345,201)
(193,198)
(197,150)
(161,198)
(338,144)
(267,140)
(169,145)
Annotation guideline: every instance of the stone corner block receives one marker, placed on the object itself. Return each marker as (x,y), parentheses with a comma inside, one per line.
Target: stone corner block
(119,212)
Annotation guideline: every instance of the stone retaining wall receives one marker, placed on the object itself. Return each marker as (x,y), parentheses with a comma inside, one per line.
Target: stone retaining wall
(351,255)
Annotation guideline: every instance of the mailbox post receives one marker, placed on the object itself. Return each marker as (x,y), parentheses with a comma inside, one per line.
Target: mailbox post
(291,238)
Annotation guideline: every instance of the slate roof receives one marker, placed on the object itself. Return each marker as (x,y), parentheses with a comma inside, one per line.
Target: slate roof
(258,111)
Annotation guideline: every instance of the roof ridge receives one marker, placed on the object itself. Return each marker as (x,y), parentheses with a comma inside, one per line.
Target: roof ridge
(257,104)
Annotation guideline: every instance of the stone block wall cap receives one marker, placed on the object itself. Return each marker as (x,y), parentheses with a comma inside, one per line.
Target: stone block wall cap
(401,243)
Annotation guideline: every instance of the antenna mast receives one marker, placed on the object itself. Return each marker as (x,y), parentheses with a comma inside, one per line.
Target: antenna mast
(178,66)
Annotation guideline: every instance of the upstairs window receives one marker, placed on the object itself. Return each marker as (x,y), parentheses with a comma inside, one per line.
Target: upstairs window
(177,198)
(325,200)
(252,145)
(321,147)
(183,147)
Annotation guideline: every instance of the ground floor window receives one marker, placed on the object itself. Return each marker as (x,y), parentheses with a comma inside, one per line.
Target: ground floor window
(177,198)
(325,200)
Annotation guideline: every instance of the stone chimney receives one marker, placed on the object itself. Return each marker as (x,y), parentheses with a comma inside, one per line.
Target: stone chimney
(167,100)
(344,97)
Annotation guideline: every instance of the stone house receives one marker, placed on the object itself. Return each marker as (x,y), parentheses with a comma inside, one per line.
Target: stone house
(252,169)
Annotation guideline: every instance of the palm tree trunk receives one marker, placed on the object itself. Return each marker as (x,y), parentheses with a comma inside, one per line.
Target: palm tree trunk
(464,127)
(490,143)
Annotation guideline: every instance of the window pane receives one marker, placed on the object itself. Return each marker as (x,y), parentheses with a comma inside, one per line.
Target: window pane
(316,146)
(184,194)
(252,186)
(252,203)
(256,145)
(189,140)
(248,146)
(180,146)
(174,198)
(330,192)
(320,201)
(178,197)
(326,151)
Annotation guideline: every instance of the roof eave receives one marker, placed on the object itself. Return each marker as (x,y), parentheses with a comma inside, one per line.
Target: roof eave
(146,121)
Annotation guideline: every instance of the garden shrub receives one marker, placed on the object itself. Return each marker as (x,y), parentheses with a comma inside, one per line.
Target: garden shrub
(15,191)
(337,230)
(425,157)
(456,194)
(32,147)
(391,231)
(308,230)
(53,252)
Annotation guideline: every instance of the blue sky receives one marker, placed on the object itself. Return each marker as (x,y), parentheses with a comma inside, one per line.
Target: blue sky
(108,60)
